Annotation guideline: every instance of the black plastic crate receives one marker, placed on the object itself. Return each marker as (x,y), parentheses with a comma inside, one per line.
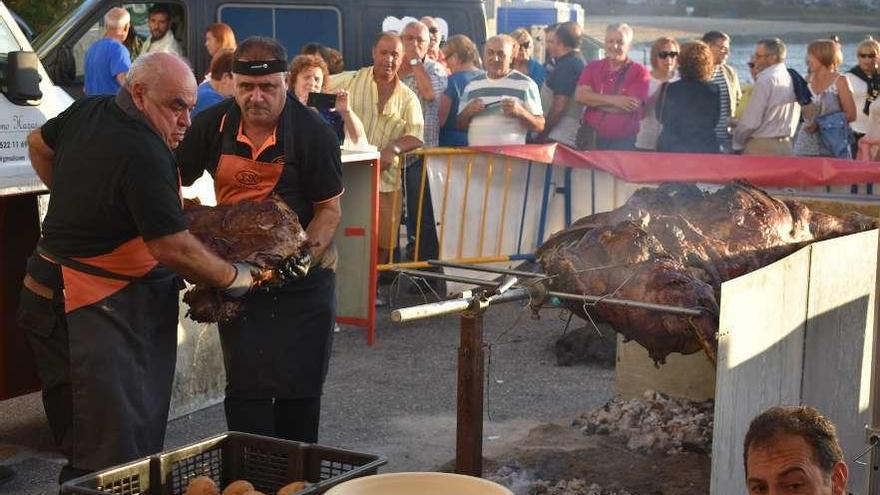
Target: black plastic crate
(268,463)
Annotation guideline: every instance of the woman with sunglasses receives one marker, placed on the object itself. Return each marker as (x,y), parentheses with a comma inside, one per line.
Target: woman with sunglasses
(865,81)
(689,109)
(522,57)
(833,106)
(664,58)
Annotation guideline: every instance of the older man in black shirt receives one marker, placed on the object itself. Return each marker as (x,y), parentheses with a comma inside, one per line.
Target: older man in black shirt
(100,302)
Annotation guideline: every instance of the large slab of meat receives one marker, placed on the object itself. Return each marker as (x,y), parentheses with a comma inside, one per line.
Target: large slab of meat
(262,233)
(675,245)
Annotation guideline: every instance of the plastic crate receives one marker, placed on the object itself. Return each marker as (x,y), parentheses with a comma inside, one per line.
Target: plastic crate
(268,463)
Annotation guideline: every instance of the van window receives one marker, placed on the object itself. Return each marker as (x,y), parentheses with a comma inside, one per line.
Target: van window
(8,43)
(292,26)
(138,33)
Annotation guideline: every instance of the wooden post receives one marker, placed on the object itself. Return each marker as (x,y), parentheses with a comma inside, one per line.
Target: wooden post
(469,432)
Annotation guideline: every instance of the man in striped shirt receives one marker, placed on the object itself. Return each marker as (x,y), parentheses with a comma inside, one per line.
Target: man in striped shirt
(392,118)
(502,105)
(727,81)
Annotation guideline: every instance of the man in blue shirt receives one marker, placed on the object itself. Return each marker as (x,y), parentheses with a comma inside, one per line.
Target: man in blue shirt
(107,60)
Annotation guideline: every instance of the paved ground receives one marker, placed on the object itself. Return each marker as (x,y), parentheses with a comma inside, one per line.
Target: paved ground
(396,398)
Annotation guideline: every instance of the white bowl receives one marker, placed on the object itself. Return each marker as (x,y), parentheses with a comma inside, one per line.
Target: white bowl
(418,484)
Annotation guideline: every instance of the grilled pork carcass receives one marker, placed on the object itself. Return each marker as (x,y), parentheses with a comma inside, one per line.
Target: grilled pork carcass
(262,233)
(676,245)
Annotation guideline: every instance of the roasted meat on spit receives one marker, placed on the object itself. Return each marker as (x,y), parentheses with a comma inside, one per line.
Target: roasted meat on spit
(675,245)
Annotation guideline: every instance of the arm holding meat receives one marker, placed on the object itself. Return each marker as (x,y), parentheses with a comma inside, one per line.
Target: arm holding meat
(184,254)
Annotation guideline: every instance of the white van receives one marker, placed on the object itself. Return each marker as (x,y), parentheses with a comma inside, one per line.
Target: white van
(27,99)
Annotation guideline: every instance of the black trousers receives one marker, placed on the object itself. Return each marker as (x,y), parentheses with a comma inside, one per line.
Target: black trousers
(621,144)
(106,371)
(429,247)
(276,354)
(290,419)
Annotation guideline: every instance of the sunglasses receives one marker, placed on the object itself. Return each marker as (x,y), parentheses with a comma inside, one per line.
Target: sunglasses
(433,30)
(867,55)
(751,65)
(667,54)
(525,45)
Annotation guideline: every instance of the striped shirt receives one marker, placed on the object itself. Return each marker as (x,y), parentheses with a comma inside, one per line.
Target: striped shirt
(430,109)
(724,119)
(492,126)
(402,116)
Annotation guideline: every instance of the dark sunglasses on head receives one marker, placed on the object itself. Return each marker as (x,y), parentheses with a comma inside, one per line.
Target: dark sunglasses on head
(667,54)
(867,55)
(525,45)
(433,30)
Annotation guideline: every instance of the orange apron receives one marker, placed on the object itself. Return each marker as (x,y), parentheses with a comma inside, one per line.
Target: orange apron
(237,178)
(91,279)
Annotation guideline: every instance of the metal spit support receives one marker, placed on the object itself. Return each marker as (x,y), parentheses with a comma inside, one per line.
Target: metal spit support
(471,306)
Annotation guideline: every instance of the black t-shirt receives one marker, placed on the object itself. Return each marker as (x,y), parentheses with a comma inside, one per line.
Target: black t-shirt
(306,145)
(564,76)
(113,179)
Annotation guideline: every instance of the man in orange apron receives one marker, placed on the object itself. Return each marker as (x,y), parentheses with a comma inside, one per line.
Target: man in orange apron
(262,142)
(99,302)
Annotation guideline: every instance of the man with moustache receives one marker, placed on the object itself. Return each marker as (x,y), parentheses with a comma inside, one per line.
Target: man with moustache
(502,105)
(262,142)
(99,303)
(393,119)
(161,36)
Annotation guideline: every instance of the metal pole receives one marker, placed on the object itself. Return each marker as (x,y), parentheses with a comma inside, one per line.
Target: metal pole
(469,428)
(665,308)
(452,306)
(489,269)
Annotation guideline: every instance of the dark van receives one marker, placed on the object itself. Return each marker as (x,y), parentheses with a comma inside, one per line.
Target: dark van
(347,25)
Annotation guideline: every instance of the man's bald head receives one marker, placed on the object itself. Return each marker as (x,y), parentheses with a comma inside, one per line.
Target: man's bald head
(163,87)
(152,69)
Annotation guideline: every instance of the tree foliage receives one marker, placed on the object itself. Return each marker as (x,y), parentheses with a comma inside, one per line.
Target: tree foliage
(40,14)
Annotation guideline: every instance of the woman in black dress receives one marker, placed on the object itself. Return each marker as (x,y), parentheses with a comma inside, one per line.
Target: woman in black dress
(689,108)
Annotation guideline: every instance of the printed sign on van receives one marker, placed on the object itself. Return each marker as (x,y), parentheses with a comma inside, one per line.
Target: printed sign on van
(16,122)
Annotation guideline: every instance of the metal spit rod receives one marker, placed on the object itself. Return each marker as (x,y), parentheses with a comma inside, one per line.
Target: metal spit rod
(490,269)
(454,306)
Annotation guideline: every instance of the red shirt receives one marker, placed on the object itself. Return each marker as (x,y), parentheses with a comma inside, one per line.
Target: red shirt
(602,80)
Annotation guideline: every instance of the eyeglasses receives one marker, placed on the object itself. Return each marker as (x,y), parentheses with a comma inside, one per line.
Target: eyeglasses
(667,54)
(751,65)
(433,30)
(407,38)
(867,55)
(525,45)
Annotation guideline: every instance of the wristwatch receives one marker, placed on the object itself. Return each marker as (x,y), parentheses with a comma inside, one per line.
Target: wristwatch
(415,61)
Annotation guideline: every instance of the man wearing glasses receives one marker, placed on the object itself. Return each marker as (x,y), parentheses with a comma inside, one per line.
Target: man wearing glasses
(434,51)
(770,119)
(727,81)
(427,78)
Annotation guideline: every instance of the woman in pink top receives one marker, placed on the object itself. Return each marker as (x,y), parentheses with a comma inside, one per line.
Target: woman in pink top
(614,91)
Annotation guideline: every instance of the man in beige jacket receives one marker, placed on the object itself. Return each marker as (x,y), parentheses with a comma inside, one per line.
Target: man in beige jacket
(727,81)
